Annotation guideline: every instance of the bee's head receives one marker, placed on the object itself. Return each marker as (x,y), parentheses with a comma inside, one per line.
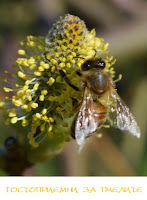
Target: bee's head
(93,63)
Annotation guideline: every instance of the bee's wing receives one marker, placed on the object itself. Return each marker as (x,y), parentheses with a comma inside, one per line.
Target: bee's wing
(123,118)
(87,118)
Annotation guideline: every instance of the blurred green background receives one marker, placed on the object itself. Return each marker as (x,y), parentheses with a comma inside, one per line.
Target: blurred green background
(123,24)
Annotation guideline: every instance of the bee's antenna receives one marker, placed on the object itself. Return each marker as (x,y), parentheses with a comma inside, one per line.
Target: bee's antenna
(79,57)
(95,52)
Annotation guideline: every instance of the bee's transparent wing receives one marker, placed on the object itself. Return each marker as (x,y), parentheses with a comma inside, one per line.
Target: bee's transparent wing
(86,122)
(123,118)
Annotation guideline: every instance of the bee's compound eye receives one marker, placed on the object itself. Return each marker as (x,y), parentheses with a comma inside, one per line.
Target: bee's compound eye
(87,65)
(101,64)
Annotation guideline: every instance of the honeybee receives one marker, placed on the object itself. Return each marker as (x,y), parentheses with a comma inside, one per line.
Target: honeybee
(98,85)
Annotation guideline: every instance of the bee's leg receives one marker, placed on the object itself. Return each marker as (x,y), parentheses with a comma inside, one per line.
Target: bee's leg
(73,128)
(67,80)
(78,73)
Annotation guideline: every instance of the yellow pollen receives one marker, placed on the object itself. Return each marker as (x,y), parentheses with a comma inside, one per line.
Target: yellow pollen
(12,114)
(38,115)
(25,63)
(40,47)
(63,47)
(73,54)
(17,85)
(33,129)
(34,105)
(51,119)
(25,107)
(44,92)
(41,69)
(21,52)
(69,57)
(33,67)
(27,82)
(29,98)
(105,46)
(25,122)
(120,76)
(32,141)
(73,61)
(51,81)
(57,55)
(48,56)
(53,61)
(30,135)
(42,127)
(31,61)
(36,86)
(30,37)
(25,87)
(53,69)
(45,118)
(22,75)
(37,73)
(61,65)
(113,62)
(44,111)
(14,120)
(50,128)
(46,66)
(31,44)
(7,89)
(41,97)
(28,91)
(16,102)
(68,65)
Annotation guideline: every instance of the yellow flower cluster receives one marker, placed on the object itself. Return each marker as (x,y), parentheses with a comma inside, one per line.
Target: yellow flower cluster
(40,99)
